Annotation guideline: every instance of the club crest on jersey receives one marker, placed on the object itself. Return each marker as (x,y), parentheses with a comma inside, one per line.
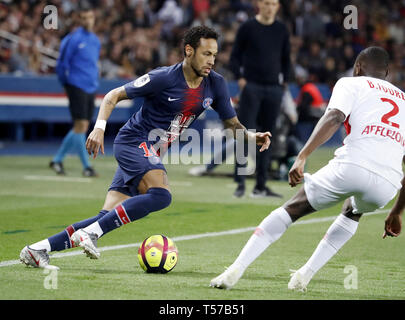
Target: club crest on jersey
(141,81)
(207,103)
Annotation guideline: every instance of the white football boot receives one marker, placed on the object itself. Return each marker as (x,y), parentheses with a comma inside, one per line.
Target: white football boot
(298,281)
(198,171)
(36,258)
(228,278)
(88,241)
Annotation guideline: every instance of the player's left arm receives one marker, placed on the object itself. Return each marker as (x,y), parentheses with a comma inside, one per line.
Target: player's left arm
(324,130)
(393,222)
(95,140)
(260,138)
(222,105)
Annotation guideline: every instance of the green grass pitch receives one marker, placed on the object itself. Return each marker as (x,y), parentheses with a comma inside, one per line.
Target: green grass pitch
(35,205)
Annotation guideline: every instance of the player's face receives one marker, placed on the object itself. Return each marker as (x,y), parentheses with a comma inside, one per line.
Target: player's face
(203,59)
(87,19)
(268,8)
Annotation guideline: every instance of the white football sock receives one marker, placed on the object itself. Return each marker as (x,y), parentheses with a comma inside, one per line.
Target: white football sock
(40,245)
(94,228)
(341,230)
(269,231)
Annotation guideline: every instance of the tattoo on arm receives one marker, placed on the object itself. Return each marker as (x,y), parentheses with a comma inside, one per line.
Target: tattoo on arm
(235,125)
(108,103)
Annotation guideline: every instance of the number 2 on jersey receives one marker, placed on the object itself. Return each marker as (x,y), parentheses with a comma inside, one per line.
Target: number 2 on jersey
(385,118)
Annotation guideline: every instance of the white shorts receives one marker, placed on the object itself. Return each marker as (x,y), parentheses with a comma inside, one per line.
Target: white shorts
(338,181)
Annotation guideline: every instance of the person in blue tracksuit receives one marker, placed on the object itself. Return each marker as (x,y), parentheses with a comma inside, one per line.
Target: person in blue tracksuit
(77,71)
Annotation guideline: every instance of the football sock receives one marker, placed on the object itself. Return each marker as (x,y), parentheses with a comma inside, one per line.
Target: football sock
(269,231)
(43,244)
(67,143)
(341,230)
(80,142)
(132,209)
(61,240)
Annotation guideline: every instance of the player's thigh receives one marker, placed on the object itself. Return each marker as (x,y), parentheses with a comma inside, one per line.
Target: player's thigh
(140,168)
(338,181)
(375,197)
(153,179)
(118,191)
(327,187)
(298,206)
(113,199)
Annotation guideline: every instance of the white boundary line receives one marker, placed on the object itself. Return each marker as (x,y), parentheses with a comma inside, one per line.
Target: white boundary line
(188,237)
(57,179)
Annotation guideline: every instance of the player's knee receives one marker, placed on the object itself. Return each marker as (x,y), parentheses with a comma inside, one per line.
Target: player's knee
(161,197)
(80,126)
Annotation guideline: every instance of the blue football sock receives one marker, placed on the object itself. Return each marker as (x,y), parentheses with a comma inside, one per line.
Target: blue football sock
(80,142)
(61,240)
(67,143)
(135,208)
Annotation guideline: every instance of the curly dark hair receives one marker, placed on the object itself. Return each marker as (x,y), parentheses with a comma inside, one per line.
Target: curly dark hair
(193,36)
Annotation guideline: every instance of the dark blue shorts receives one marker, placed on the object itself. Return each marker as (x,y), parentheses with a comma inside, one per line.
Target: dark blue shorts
(134,161)
(81,103)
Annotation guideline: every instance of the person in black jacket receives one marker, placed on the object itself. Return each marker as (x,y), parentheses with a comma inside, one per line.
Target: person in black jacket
(260,61)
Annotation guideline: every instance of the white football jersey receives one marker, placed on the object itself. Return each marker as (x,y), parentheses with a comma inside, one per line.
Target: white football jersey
(375,125)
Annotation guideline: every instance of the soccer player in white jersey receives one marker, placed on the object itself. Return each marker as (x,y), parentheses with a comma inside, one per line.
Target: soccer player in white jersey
(366,171)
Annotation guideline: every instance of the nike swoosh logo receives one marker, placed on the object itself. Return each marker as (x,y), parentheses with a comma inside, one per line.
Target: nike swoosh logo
(36,261)
(173,99)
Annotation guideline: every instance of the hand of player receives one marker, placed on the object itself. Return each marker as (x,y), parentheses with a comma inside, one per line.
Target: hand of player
(95,141)
(393,224)
(263,139)
(296,173)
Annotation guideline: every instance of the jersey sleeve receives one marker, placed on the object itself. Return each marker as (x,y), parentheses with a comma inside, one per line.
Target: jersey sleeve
(344,96)
(222,103)
(146,86)
(66,52)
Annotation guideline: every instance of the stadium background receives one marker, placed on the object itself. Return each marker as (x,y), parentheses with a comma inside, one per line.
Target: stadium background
(138,36)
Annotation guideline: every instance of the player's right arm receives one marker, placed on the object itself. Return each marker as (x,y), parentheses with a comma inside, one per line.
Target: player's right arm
(344,97)
(324,130)
(95,141)
(393,222)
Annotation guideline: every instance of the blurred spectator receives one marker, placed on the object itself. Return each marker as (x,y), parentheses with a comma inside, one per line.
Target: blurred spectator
(310,105)
(319,41)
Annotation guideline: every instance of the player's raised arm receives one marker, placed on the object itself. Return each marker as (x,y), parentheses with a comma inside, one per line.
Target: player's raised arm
(261,138)
(95,140)
(324,130)
(393,222)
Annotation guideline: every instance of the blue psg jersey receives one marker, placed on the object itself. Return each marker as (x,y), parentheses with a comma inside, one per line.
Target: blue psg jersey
(170,105)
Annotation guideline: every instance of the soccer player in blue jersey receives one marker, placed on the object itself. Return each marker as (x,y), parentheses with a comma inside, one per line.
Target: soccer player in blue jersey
(173,98)
(78,73)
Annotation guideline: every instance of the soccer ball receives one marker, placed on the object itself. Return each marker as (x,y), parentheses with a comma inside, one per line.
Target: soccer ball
(157,254)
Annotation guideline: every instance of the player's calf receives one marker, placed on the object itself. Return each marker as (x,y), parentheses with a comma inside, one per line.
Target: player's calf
(132,209)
